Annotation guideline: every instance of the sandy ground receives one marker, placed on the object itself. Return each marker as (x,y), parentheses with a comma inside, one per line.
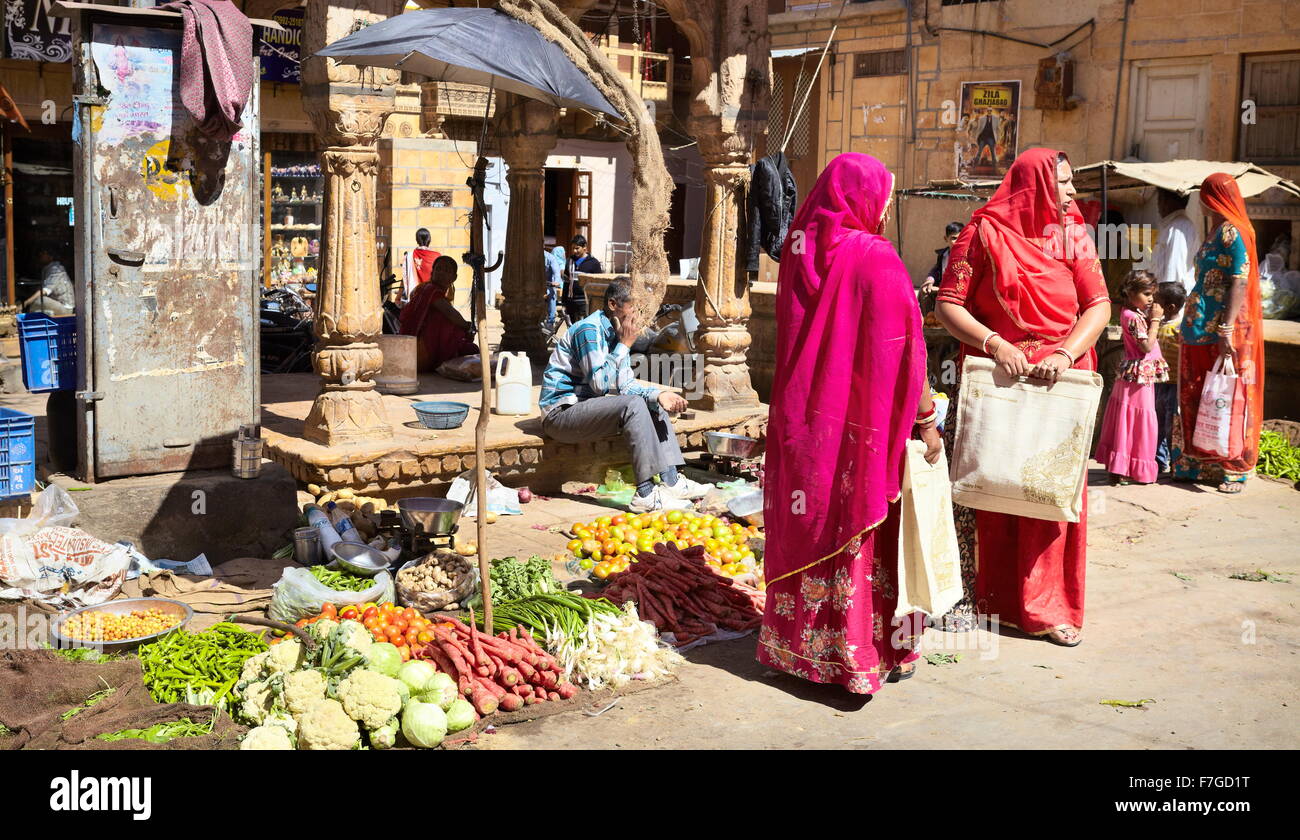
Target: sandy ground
(1220,657)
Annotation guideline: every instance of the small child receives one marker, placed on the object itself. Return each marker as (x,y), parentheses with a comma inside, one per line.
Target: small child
(1170,297)
(1130,432)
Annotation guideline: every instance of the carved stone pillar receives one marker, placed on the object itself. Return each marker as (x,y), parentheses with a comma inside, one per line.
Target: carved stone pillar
(727,114)
(527,137)
(430,119)
(348,116)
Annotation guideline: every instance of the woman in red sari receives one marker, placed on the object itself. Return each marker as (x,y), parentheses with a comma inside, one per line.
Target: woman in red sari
(1024,287)
(443,332)
(847,394)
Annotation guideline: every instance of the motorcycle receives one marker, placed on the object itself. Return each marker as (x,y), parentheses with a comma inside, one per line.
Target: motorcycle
(286,328)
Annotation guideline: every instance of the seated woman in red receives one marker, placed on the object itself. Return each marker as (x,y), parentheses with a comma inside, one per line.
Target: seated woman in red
(429,314)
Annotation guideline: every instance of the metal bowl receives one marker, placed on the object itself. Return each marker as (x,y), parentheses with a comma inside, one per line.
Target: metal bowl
(359,559)
(167,605)
(427,515)
(731,446)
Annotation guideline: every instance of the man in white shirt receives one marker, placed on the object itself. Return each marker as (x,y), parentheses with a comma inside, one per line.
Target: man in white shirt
(1174,257)
(57,295)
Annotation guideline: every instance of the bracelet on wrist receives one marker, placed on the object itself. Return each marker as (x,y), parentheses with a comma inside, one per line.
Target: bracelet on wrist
(1065,353)
(984,345)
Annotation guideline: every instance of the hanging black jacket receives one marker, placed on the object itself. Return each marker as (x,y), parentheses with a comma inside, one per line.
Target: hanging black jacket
(772,197)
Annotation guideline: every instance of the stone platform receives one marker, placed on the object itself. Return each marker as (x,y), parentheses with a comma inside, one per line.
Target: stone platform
(517,454)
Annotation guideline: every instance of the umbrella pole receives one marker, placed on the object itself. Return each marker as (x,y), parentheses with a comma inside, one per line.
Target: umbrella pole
(477,260)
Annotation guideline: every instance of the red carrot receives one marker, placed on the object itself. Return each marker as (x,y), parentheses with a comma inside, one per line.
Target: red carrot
(509,676)
(484,701)
(553,695)
(567,690)
(511,703)
(497,691)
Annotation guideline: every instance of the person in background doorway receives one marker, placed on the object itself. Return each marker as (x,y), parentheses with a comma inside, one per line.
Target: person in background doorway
(57,294)
(443,332)
(932,280)
(574,299)
(1171,297)
(1177,241)
(419,262)
(554,266)
(589,392)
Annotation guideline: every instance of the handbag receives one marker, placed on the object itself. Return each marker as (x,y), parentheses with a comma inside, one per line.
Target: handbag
(1221,402)
(1021,444)
(929,563)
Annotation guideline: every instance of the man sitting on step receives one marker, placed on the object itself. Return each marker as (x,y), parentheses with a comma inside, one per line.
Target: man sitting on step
(589,392)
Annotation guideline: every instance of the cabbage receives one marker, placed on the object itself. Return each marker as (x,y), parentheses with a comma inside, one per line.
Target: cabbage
(385,737)
(460,715)
(440,689)
(423,724)
(403,689)
(384,658)
(416,674)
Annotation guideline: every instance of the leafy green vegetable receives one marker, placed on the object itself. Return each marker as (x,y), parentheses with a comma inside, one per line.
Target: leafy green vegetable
(1181,576)
(460,715)
(1260,576)
(90,701)
(161,733)
(1277,457)
(83,654)
(384,658)
(942,658)
(424,724)
(545,615)
(513,579)
(341,581)
(1127,704)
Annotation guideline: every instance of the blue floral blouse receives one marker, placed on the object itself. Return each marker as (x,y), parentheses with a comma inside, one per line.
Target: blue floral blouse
(1221,260)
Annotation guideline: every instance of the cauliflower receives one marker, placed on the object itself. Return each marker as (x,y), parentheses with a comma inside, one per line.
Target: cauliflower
(356,636)
(285,656)
(260,699)
(321,628)
(266,738)
(254,666)
(327,727)
(302,690)
(370,698)
(283,720)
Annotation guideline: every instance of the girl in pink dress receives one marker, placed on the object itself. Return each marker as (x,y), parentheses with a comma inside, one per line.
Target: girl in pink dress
(1129,434)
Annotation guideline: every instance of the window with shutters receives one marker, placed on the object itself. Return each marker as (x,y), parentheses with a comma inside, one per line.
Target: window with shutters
(1272,82)
(880,63)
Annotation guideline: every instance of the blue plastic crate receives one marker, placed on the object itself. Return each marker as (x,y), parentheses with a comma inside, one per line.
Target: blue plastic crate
(49,349)
(17,453)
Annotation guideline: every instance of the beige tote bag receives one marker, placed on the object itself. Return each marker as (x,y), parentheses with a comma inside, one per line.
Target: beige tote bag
(929,565)
(1022,444)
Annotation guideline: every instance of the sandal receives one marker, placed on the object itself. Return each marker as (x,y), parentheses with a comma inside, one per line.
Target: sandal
(1061,636)
(898,674)
(1232,488)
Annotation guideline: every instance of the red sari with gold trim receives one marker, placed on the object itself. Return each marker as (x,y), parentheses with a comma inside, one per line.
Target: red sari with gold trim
(1027,272)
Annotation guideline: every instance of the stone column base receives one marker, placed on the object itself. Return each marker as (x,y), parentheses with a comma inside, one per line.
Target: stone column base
(344,416)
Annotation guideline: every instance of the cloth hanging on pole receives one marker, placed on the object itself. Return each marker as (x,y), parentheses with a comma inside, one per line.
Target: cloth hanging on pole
(770,206)
(216,73)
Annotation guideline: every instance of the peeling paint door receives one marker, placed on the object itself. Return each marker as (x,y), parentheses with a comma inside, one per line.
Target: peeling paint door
(1167,116)
(170,246)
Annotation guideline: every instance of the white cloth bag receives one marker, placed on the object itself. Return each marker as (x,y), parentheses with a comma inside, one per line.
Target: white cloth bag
(1022,444)
(929,565)
(1213,432)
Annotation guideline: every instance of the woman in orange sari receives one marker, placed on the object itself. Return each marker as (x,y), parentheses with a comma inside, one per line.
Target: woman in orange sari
(1024,287)
(1224,317)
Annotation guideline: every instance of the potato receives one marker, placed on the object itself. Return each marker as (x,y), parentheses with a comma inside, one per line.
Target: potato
(345,493)
(314,489)
(491,517)
(325,498)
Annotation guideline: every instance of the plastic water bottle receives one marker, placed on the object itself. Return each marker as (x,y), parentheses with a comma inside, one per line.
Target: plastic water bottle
(343,524)
(319,520)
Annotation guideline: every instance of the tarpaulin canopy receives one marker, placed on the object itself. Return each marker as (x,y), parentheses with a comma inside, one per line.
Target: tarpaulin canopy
(1180,176)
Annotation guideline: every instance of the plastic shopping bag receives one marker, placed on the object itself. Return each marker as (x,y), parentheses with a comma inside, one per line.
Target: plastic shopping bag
(298,594)
(1221,401)
(43,559)
(929,565)
(501,500)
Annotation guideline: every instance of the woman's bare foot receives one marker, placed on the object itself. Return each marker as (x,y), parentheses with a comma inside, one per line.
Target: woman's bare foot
(1066,636)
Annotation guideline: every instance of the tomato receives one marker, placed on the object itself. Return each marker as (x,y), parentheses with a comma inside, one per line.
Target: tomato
(379,635)
(329,611)
(424,637)
(412,638)
(373,623)
(627,549)
(604,521)
(349,613)
(388,606)
(302,622)
(405,652)
(590,548)
(674,517)
(370,612)
(576,527)
(394,635)
(602,570)
(574,546)
(586,564)
(447,625)
(410,614)
(401,624)
(619,519)
(601,534)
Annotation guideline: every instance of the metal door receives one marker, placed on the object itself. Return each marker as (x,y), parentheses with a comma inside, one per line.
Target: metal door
(169,268)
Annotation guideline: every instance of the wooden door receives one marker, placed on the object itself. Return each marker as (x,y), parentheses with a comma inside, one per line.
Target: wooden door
(1167,110)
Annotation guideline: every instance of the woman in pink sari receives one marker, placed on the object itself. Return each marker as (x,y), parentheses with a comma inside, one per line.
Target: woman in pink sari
(848,392)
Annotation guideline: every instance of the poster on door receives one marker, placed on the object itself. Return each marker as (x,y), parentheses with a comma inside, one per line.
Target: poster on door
(987,129)
(32,34)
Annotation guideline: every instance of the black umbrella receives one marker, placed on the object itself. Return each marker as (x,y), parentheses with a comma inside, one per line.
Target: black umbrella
(473,46)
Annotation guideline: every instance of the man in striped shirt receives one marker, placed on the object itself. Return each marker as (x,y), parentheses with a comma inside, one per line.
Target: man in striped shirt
(589,392)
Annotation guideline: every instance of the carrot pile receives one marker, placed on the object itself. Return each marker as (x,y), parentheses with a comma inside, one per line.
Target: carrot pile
(679,593)
(505,671)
